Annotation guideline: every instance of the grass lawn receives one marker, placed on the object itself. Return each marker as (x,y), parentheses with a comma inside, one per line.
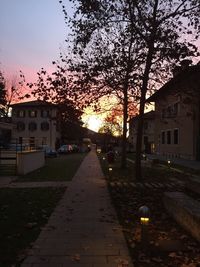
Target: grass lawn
(127,201)
(23,212)
(62,168)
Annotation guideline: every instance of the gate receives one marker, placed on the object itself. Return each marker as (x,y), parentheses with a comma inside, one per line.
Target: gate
(8,160)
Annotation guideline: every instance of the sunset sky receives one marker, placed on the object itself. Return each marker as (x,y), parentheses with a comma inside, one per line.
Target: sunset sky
(31,34)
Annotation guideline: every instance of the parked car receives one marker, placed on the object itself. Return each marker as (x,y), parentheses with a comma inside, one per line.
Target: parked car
(49,152)
(65,149)
(75,148)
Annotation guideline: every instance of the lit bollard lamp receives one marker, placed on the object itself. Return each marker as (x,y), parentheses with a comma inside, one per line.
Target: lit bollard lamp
(110,172)
(144,157)
(169,163)
(144,214)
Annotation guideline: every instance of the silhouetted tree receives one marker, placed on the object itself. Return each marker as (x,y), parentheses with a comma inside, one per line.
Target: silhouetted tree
(10,91)
(2,96)
(157,27)
(109,65)
(59,88)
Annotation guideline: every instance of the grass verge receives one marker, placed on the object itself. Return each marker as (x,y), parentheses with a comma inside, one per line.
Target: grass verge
(164,232)
(23,212)
(62,168)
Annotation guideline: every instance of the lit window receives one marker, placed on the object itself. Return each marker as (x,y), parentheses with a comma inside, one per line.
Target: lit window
(21,113)
(32,113)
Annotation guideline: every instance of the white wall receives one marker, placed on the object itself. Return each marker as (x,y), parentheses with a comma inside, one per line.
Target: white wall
(29,161)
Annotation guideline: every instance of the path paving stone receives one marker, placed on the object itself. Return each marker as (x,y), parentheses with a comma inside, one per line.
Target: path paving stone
(83,230)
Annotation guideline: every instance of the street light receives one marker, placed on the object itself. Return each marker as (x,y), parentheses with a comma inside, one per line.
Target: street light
(144,214)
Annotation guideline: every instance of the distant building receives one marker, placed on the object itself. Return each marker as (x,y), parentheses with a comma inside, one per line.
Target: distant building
(148,143)
(177,115)
(6,128)
(35,123)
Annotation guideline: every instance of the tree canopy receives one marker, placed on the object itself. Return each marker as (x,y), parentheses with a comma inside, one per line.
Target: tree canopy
(161,32)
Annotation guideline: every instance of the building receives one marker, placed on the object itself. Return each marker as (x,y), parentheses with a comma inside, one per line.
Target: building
(35,123)
(177,115)
(6,128)
(148,145)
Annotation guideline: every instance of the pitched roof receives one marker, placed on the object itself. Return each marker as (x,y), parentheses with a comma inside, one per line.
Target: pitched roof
(147,115)
(34,103)
(189,76)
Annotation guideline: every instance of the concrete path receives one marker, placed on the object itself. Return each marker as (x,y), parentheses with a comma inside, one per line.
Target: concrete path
(35,184)
(83,230)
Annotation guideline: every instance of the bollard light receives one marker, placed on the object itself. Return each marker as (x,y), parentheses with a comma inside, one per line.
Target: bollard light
(144,156)
(168,163)
(144,214)
(99,150)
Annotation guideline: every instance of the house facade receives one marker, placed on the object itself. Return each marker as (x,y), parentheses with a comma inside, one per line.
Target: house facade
(35,123)
(177,115)
(148,143)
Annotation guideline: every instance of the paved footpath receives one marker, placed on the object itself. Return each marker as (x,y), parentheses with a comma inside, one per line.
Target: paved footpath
(83,230)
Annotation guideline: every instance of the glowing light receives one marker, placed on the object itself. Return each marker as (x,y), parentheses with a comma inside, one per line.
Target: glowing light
(99,150)
(93,122)
(144,220)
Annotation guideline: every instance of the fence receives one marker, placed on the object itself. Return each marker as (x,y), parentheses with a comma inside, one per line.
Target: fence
(8,153)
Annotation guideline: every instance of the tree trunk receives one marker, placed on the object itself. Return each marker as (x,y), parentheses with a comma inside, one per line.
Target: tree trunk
(125,118)
(138,170)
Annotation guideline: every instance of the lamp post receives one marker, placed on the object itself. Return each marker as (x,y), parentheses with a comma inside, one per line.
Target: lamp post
(144,214)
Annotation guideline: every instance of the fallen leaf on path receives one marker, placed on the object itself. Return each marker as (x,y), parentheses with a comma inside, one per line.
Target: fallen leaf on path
(76,257)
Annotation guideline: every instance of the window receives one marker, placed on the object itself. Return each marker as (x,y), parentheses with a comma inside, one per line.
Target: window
(175,109)
(32,113)
(168,137)
(20,126)
(145,139)
(163,113)
(32,142)
(21,113)
(44,113)
(146,125)
(32,126)
(163,138)
(44,126)
(171,111)
(44,140)
(176,136)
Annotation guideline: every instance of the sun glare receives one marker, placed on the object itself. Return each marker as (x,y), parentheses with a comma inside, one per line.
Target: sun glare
(93,123)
